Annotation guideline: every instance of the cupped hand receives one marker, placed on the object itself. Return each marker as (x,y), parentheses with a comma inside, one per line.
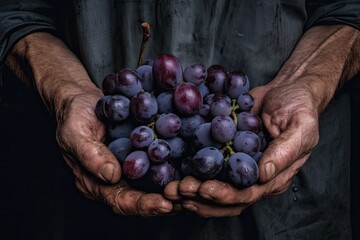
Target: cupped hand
(97,172)
(290,114)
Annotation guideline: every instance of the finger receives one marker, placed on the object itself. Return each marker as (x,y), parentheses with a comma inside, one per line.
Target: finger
(171,191)
(127,201)
(210,210)
(189,187)
(225,194)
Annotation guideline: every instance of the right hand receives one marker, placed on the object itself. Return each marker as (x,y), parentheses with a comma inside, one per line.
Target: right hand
(97,172)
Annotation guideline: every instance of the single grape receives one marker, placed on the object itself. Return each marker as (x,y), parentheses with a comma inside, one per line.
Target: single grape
(144,107)
(243,170)
(190,124)
(168,125)
(245,102)
(109,85)
(136,164)
(141,136)
(236,83)
(223,128)
(165,102)
(248,121)
(187,99)
(167,71)
(121,129)
(178,147)
(162,173)
(247,142)
(120,147)
(204,110)
(202,137)
(195,73)
(209,99)
(146,77)
(114,108)
(159,151)
(220,107)
(207,163)
(128,82)
(216,77)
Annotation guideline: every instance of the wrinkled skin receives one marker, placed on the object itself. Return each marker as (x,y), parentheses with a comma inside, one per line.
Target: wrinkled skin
(289,114)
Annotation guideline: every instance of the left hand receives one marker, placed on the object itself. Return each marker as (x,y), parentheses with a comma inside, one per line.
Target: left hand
(290,114)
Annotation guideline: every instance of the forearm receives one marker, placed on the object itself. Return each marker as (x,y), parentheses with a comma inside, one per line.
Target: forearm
(324,58)
(56,72)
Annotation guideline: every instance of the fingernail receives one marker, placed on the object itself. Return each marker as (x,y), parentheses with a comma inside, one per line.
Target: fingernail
(190,207)
(107,172)
(270,170)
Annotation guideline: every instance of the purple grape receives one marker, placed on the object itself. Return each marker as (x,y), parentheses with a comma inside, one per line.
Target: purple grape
(248,121)
(237,83)
(136,164)
(216,77)
(141,136)
(190,124)
(159,151)
(207,163)
(209,99)
(223,128)
(144,107)
(109,85)
(168,125)
(187,99)
(165,102)
(113,108)
(245,102)
(162,173)
(146,77)
(167,71)
(178,147)
(247,142)
(243,170)
(204,110)
(128,82)
(195,73)
(120,147)
(121,130)
(202,137)
(220,107)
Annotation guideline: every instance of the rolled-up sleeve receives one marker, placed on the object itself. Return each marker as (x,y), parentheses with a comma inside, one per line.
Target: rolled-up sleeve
(19,18)
(333,12)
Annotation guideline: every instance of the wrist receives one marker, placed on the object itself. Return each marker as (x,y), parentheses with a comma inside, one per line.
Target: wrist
(57,74)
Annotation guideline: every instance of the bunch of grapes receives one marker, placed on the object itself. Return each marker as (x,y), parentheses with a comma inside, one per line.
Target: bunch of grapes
(165,122)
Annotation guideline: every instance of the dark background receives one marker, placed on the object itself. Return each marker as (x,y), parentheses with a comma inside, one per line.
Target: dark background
(38,196)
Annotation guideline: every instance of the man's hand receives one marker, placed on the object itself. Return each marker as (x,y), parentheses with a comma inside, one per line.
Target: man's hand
(290,115)
(289,107)
(71,97)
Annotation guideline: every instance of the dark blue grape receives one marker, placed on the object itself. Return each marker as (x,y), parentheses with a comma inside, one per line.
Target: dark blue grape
(146,77)
(162,173)
(223,129)
(248,121)
(113,108)
(178,147)
(243,170)
(245,102)
(220,107)
(195,73)
(165,102)
(202,137)
(190,124)
(168,125)
(247,142)
(120,147)
(207,163)
(236,84)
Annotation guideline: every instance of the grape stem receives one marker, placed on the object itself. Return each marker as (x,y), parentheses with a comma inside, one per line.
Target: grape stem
(227,150)
(234,107)
(146,36)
